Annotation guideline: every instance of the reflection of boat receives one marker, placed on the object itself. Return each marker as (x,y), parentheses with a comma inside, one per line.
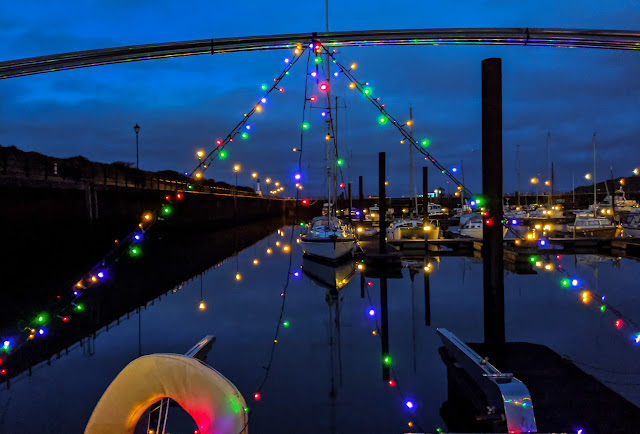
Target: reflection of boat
(328,238)
(631,227)
(590,225)
(329,276)
(213,402)
(410,228)
(471,226)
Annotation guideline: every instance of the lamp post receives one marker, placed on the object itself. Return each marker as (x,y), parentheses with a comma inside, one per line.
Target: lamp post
(136,128)
(254,175)
(534,181)
(236,169)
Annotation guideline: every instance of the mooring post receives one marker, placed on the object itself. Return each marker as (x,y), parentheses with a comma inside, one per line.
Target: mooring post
(382,202)
(384,329)
(360,198)
(425,202)
(492,248)
(349,199)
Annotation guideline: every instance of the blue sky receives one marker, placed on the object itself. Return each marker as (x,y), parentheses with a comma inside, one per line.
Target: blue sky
(185,104)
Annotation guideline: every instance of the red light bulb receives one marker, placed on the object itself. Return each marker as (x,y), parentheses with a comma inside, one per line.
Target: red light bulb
(305,202)
(4,371)
(179,196)
(392,383)
(370,283)
(489,221)
(313,98)
(256,396)
(218,142)
(281,90)
(167,198)
(619,323)
(324,87)
(65,319)
(341,185)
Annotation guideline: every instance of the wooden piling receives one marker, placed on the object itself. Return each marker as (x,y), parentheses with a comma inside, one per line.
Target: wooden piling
(382,202)
(493,274)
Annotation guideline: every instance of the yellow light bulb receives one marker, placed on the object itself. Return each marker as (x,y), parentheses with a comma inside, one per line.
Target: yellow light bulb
(147,216)
(353,66)
(277,243)
(268,180)
(202,306)
(254,175)
(352,86)
(286,248)
(238,276)
(255,262)
(258,108)
(268,251)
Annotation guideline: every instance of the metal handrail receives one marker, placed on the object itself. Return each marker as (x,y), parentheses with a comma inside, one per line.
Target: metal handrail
(570,38)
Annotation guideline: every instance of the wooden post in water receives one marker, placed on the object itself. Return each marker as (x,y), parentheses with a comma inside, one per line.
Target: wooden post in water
(349,199)
(360,198)
(492,248)
(382,202)
(425,201)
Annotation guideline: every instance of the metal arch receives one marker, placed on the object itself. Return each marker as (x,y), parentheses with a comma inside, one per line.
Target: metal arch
(569,38)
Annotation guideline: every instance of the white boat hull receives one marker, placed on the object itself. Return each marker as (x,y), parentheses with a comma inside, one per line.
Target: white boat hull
(327,248)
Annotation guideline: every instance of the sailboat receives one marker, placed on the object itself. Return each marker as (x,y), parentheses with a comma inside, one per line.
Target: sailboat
(327,237)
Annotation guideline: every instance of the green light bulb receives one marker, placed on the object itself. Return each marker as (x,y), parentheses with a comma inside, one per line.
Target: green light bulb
(339,162)
(223,155)
(246,409)
(79,307)
(564,282)
(387,360)
(603,308)
(166,210)
(286,323)
(244,135)
(367,91)
(264,87)
(305,126)
(190,187)
(318,60)
(382,120)
(426,142)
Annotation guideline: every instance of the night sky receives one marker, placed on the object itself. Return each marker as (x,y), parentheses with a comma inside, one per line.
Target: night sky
(184,104)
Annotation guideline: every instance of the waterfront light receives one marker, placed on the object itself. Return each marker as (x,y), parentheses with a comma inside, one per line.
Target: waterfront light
(587,176)
(636,171)
(534,180)
(254,175)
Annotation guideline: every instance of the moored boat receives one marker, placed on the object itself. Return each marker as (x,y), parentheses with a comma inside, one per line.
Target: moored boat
(631,227)
(328,238)
(593,226)
(471,226)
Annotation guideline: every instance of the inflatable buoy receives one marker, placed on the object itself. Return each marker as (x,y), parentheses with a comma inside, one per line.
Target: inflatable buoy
(213,402)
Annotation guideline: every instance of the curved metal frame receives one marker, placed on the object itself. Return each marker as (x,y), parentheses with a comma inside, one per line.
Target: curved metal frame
(569,38)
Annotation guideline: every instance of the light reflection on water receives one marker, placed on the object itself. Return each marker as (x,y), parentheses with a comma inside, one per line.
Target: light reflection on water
(327,371)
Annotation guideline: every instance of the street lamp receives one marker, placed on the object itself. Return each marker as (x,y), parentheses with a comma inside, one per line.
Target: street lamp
(534,181)
(587,176)
(136,128)
(236,169)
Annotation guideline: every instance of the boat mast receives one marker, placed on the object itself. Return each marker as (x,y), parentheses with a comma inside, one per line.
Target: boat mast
(517,171)
(595,200)
(411,169)
(549,168)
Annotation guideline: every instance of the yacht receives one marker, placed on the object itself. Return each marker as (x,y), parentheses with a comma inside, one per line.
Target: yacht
(411,228)
(328,238)
(620,204)
(471,226)
(631,227)
(590,225)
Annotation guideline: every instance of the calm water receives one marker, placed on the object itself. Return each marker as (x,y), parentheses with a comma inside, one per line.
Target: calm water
(329,344)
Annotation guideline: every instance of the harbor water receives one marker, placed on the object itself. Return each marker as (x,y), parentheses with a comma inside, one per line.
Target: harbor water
(325,372)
